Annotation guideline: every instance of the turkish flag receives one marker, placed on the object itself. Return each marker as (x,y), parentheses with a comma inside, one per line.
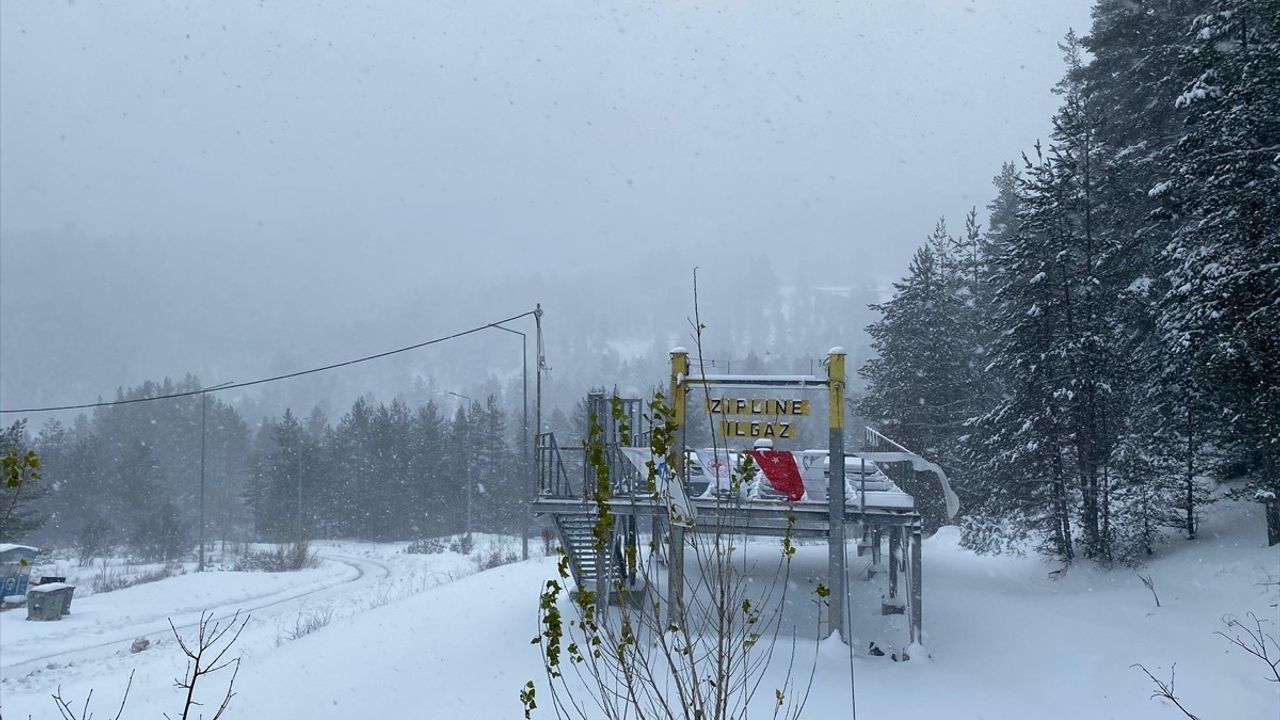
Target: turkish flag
(779,466)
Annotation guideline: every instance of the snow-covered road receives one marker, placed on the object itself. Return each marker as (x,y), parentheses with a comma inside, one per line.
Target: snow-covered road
(90,648)
(96,628)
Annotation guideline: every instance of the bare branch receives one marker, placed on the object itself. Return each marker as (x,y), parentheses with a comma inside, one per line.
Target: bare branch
(1256,645)
(1165,690)
(204,657)
(1150,585)
(68,713)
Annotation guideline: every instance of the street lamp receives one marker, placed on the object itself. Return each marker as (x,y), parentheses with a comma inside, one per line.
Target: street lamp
(470,470)
(204,394)
(525,441)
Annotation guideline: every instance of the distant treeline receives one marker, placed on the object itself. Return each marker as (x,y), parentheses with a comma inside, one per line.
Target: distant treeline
(129,475)
(1113,336)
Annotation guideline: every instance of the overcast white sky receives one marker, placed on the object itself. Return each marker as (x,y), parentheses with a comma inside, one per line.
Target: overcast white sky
(349,153)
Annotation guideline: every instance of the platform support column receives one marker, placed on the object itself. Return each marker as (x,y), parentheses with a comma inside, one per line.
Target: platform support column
(835,484)
(895,556)
(917,587)
(675,468)
(655,537)
(603,575)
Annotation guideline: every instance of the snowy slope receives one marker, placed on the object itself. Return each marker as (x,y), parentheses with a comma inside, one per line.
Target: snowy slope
(1005,641)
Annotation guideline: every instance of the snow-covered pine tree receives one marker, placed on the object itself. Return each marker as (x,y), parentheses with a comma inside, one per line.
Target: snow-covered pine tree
(498,495)
(1057,344)
(972,287)
(459,457)
(276,471)
(983,487)
(394,425)
(1002,211)
(427,462)
(1222,308)
(941,244)
(916,384)
(1053,432)
(1140,62)
(1027,434)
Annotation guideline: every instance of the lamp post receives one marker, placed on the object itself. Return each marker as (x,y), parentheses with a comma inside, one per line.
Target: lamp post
(470,471)
(526,485)
(204,395)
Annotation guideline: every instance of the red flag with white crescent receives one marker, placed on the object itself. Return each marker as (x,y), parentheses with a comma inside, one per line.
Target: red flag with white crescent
(779,466)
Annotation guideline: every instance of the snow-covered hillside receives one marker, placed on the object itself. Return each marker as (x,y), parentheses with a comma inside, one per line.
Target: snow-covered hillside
(1005,640)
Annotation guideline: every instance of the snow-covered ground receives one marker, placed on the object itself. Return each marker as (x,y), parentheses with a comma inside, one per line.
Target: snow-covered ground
(90,648)
(426,636)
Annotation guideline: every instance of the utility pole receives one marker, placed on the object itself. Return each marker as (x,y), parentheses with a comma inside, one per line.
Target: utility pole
(204,394)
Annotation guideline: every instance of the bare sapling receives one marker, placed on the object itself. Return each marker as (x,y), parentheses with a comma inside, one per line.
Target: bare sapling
(701,655)
(207,653)
(1253,640)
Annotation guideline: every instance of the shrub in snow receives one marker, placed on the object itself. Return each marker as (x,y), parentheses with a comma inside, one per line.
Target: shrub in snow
(426,546)
(463,545)
(306,623)
(496,557)
(111,578)
(93,540)
(160,535)
(285,558)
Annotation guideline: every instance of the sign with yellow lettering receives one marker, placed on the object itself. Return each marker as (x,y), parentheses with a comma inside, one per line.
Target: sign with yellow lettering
(757,406)
(757,429)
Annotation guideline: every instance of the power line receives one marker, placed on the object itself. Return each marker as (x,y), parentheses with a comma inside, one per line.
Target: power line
(287,376)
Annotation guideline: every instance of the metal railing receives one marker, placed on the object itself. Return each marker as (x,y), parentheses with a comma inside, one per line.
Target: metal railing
(553,481)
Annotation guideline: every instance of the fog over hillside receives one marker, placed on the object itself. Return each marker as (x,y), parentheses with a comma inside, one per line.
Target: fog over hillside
(232,190)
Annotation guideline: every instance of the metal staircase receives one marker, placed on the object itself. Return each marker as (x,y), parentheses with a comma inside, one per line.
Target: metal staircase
(579,544)
(566,486)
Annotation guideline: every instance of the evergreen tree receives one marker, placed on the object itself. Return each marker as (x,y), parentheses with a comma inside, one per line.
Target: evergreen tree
(276,491)
(354,470)
(1056,351)
(458,487)
(498,484)
(1221,313)
(916,384)
(428,472)
(1027,434)
(1139,65)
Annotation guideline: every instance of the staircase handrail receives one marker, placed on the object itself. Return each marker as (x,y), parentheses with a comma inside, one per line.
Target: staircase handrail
(551,463)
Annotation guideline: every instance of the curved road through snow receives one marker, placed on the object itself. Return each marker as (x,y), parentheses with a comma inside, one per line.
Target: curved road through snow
(20,657)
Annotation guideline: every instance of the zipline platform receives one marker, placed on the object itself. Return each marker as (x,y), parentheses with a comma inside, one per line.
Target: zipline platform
(870,507)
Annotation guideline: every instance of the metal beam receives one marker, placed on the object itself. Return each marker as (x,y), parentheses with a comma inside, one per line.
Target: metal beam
(675,466)
(793,381)
(895,552)
(917,588)
(835,495)
(811,515)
